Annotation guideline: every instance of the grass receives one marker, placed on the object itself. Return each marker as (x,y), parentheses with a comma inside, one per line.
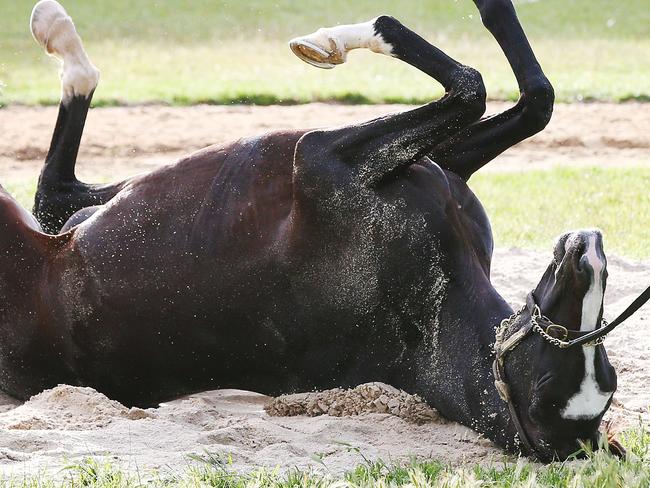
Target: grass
(22,190)
(598,470)
(520,205)
(530,208)
(208,51)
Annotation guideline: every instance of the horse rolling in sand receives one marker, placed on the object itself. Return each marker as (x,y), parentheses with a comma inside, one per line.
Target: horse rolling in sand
(308,259)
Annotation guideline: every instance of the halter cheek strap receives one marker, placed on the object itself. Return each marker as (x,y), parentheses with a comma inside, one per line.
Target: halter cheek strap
(498,369)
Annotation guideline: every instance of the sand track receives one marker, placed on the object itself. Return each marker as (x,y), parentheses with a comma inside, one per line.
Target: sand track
(122,141)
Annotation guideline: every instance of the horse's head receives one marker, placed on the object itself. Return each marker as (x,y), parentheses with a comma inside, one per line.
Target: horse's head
(561,394)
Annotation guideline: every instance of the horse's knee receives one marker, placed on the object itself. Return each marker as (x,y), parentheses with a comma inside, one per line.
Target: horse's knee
(54,30)
(537,103)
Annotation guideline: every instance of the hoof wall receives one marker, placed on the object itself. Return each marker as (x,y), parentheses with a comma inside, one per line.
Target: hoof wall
(316,55)
(45,15)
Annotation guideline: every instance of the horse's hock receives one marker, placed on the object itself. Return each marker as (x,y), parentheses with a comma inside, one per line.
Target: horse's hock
(366,398)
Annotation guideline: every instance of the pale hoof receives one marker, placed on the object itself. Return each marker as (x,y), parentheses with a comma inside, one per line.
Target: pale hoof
(47,18)
(54,30)
(319,50)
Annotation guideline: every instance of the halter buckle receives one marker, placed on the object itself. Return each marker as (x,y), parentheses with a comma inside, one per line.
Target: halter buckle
(557,332)
(503,390)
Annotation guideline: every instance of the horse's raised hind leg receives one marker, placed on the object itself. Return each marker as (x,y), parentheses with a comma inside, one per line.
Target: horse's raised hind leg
(476,145)
(59,194)
(379,147)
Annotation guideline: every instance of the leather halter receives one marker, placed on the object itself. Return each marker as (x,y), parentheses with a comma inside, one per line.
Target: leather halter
(549,332)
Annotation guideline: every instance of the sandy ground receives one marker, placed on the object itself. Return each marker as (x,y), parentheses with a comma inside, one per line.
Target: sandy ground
(119,142)
(68,424)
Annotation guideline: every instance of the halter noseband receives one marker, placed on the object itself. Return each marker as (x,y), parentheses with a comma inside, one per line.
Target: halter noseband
(556,335)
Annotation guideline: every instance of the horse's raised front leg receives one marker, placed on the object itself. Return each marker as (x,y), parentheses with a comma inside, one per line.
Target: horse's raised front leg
(59,194)
(476,145)
(377,148)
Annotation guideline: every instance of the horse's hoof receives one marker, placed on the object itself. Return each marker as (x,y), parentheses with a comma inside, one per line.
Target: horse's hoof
(48,18)
(54,30)
(318,50)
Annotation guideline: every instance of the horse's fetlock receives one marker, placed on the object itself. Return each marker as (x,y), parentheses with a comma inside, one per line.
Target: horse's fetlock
(470,89)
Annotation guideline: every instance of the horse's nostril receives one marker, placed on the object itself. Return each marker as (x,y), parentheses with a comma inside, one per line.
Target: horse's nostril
(575,245)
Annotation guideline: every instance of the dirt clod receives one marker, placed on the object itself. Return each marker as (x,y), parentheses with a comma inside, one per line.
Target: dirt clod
(366,398)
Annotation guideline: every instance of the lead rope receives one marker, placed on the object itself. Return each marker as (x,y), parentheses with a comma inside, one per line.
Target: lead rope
(592,338)
(537,315)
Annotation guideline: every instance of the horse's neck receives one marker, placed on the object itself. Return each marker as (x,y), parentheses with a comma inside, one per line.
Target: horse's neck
(470,354)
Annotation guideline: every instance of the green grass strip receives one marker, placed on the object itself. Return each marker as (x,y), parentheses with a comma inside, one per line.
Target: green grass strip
(223,52)
(599,470)
(530,208)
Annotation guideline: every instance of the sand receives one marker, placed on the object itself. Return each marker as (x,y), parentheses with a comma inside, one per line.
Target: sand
(70,423)
(121,141)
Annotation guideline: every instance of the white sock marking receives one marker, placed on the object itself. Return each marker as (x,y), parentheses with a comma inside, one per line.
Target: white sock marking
(589,401)
(357,36)
(334,43)
(53,29)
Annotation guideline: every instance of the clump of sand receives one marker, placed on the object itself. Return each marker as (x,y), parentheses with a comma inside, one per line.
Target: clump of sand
(68,408)
(366,398)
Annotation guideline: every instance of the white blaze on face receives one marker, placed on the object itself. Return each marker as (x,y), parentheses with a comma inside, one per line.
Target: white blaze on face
(589,401)
(53,29)
(329,46)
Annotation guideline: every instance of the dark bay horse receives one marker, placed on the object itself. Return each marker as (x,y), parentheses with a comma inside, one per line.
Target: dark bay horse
(304,259)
